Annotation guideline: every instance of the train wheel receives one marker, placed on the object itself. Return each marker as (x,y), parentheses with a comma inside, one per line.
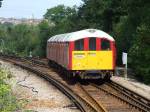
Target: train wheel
(49,63)
(70,75)
(107,77)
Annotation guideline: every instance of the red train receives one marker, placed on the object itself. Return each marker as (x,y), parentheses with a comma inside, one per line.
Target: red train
(89,53)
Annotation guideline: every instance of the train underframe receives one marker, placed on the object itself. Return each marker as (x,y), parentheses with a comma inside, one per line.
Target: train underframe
(83,74)
(93,74)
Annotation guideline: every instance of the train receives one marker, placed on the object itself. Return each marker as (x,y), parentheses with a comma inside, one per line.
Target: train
(88,54)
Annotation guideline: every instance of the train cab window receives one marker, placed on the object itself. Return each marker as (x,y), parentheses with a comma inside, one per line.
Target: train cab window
(79,45)
(105,44)
(92,44)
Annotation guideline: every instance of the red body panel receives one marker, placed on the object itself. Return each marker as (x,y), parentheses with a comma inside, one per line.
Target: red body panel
(71,48)
(58,52)
(112,45)
(98,44)
(86,43)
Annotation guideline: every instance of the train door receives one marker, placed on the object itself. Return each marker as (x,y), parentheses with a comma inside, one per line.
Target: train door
(92,54)
(105,55)
(79,60)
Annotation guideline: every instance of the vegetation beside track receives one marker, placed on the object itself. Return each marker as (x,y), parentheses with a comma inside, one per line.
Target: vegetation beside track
(126,20)
(8,101)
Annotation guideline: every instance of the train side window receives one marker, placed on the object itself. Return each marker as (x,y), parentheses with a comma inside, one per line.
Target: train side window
(105,44)
(79,45)
(92,44)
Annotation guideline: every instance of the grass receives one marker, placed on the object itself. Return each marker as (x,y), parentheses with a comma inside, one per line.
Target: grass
(8,102)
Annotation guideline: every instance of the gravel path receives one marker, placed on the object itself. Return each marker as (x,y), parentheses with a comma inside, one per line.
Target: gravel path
(140,88)
(41,95)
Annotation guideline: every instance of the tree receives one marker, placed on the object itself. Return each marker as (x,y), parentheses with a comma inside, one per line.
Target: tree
(139,51)
(20,38)
(1,3)
(139,54)
(101,14)
(59,13)
(44,34)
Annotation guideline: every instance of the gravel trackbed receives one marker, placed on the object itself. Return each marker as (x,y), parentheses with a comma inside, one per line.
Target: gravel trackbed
(40,94)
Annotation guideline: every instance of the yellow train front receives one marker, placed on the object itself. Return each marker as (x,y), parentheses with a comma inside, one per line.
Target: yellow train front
(89,53)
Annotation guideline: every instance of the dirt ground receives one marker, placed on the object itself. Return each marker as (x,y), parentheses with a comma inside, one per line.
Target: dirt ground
(41,96)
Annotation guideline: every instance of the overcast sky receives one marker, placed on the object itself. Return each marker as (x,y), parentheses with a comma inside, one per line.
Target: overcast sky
(30,8)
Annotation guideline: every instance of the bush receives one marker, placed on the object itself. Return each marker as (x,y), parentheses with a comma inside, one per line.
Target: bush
(8,102)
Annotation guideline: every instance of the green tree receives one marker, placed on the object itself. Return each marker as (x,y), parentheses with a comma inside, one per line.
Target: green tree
(139,51)
(44,34)
(101,14)
(20,38)
(59,13)
(1,3)
(139,54)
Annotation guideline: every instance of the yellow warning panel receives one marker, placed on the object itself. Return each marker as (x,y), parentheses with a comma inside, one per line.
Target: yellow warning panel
(105,60)
(92,60)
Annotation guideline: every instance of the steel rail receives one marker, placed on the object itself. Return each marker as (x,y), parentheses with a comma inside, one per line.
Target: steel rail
(131,95)
(133,104)
(98,106)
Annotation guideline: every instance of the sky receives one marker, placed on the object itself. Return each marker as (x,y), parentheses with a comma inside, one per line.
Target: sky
(31,8)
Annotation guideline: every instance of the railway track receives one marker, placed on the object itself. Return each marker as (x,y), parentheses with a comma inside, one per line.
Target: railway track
(89,97)
(115,101)
(54,79)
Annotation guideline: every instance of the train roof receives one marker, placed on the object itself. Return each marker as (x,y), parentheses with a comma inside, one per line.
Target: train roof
(67,37)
